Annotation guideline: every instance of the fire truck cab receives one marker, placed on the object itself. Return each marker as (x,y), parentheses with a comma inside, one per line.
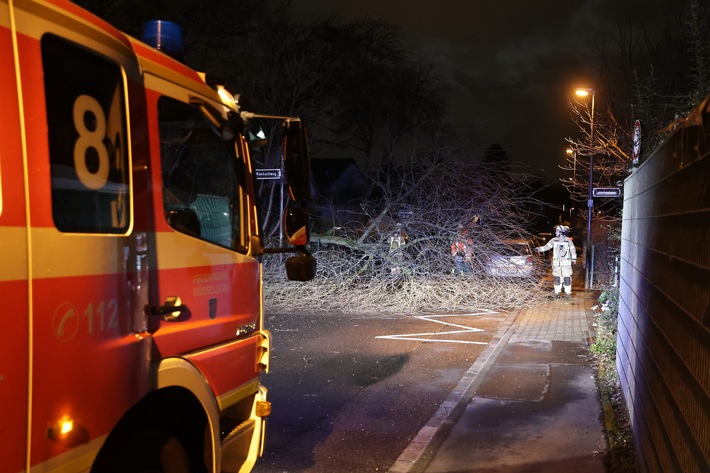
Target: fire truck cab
(132,335)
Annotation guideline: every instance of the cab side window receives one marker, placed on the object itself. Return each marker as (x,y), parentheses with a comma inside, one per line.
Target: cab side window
(200,172)
(86,123)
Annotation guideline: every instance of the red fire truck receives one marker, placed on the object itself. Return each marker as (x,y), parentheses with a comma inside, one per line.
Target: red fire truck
(131,336)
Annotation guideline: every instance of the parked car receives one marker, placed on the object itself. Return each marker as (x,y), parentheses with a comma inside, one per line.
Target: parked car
(511,258)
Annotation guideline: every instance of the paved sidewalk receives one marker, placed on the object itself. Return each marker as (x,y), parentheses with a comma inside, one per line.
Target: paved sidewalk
(528,404)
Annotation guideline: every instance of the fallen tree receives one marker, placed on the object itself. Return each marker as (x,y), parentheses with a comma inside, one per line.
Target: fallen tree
(396,255)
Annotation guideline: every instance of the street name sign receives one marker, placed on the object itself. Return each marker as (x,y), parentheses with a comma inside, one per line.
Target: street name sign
(262,174)
(606,192)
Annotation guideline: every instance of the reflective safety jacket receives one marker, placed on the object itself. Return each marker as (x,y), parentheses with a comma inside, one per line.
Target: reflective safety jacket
(462,250)
(563,251)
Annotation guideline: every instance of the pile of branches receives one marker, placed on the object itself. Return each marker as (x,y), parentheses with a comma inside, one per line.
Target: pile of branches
(379,296)
(396,255)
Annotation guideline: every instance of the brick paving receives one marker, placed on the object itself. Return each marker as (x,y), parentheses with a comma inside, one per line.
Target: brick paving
(561,320)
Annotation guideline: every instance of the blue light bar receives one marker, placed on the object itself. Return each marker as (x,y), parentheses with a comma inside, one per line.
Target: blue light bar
(164,36)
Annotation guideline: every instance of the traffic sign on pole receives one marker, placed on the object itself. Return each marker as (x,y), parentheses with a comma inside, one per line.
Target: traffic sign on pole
(606,192)
(263,174)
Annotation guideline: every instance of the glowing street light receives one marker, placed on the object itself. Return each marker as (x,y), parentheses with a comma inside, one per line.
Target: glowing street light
(589,270)
(573,154)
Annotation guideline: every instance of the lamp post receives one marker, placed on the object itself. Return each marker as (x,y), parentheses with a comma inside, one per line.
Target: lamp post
(573,153)
(589,270)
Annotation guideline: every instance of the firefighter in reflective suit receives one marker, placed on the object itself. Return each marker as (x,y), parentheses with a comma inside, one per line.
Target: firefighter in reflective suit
(563,257)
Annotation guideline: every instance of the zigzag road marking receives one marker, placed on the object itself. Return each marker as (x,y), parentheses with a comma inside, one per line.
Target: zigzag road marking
(433,318)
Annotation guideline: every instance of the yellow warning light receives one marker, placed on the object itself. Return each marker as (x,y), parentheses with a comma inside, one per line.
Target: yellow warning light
(67,432)
(66,426)
(227,98)
(263,408)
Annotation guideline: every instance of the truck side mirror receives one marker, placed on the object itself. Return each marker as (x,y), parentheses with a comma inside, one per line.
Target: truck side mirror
(295,226)
(297,166)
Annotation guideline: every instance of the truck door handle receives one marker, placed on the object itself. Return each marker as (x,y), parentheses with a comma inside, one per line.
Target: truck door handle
(171,310)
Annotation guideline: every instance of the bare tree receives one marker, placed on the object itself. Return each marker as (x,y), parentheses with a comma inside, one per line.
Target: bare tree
(612,150)
(698,45)
(397,256)
(353,83)
(653,75)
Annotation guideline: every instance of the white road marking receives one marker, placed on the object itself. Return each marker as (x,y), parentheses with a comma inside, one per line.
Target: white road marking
(431,318)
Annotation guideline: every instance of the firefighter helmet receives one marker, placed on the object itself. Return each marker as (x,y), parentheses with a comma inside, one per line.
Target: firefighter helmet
(561,230)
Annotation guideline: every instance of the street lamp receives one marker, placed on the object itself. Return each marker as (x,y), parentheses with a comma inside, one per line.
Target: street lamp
(589,270)
(573,153)
(573,180)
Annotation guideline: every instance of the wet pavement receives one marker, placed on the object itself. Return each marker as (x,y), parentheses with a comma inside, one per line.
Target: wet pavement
(528,404)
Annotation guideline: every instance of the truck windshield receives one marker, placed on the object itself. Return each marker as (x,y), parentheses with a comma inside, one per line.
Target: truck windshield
(201,179)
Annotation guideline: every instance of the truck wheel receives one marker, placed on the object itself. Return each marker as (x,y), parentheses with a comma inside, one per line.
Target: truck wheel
(152,452)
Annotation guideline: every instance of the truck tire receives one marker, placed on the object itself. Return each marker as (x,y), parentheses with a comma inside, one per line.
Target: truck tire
(151,452)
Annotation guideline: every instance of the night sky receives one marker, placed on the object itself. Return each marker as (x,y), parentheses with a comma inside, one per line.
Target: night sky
(511,65)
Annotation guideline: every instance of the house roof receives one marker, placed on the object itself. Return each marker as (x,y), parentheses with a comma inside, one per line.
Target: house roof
(338,179)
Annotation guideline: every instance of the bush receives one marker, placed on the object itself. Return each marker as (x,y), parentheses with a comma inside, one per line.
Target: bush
(604,345)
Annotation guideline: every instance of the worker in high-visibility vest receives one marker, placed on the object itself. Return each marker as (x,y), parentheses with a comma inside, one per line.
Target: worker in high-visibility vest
(462,252)
(564,256)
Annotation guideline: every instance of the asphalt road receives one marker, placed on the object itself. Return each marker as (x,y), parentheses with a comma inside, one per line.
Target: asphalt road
(349,394)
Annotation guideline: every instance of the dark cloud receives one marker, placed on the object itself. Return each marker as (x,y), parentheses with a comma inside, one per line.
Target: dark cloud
(511,65)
